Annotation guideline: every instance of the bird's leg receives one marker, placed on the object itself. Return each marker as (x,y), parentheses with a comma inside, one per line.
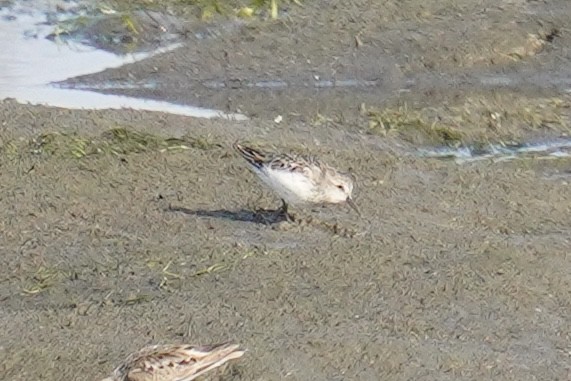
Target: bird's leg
(285,212)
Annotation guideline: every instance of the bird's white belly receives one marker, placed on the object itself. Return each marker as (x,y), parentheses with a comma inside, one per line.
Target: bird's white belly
(293,187)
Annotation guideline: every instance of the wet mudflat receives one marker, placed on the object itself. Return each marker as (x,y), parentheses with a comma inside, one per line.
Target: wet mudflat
(123,228)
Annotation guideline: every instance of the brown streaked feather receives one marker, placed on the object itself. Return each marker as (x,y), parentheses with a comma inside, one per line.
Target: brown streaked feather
(252,156)
(293,163)
(174,362)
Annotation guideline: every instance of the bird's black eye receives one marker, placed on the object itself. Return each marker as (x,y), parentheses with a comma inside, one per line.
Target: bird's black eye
(340,187)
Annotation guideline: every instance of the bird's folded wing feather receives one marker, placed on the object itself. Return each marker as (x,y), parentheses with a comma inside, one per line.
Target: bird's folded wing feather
(180,363)
(293,164)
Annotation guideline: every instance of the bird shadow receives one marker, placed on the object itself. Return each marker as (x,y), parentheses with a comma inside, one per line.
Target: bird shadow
(259,216)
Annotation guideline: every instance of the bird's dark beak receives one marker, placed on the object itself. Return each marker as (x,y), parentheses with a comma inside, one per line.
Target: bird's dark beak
(353,205)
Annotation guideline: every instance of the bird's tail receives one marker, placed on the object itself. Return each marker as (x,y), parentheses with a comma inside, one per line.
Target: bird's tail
(252,156)
(210,357)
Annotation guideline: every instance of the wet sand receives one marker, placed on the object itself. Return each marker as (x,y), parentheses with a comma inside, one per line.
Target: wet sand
(113,239)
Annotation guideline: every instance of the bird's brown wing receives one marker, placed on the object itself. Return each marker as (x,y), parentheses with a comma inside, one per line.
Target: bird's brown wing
(178,362)
(253,156)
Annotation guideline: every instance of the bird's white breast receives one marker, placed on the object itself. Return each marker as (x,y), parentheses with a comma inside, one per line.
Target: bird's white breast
(293,187)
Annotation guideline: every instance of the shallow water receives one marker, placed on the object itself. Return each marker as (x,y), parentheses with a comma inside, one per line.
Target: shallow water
(32,63)
(546,149)
(36,68)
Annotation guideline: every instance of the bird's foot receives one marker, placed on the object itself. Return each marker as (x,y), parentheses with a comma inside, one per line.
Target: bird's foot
(284,210)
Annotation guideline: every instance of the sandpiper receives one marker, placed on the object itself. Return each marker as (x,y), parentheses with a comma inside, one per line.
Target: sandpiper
(174,362)
(300,180)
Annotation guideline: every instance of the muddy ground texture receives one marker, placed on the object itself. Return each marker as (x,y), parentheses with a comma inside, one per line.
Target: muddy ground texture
(125,228)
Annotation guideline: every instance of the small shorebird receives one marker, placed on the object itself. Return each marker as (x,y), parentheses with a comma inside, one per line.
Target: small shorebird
(174,362)
(300,180)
